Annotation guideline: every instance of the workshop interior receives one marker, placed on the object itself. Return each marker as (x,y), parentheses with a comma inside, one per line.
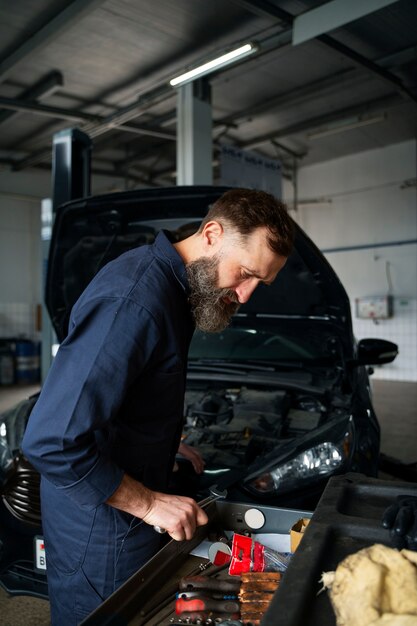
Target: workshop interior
(124,118)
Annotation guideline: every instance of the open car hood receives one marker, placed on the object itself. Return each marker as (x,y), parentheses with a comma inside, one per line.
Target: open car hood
(89,232)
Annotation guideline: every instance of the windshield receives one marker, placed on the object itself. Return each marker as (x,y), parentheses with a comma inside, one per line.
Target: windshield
(268,343)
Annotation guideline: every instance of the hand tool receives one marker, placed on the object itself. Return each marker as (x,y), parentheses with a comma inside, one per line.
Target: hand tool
(215,595)
(215,494)
(206,604)
(203,617)
(194,583)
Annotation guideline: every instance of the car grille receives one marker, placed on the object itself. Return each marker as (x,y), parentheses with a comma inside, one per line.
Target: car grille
(21,492)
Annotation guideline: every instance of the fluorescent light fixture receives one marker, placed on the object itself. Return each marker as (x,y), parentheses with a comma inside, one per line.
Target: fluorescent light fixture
(210,66)
(346,125)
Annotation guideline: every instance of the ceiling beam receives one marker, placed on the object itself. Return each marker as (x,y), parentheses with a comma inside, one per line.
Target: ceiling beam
(318,87)
(66,19)
(42,89)
(145,130)
(379,104)
(265,8)
(332,15)
(97,121)
(30,106)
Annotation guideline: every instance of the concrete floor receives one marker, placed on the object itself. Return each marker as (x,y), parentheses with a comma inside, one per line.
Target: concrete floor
(395,404)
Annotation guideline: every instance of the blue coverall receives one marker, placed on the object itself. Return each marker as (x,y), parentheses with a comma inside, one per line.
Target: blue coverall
(112,403)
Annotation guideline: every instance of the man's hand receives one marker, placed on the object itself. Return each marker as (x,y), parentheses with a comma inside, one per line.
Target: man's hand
(178,515)
(192,455)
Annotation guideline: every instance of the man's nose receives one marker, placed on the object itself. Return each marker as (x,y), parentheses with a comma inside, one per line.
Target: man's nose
(246,289)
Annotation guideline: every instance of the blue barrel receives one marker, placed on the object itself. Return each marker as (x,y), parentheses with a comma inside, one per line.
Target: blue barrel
(27,360)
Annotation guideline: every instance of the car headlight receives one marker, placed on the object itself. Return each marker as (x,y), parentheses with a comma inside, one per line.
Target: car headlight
(314,462)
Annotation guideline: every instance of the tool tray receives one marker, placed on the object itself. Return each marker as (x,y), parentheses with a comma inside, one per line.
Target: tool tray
(148,597)
(347,519)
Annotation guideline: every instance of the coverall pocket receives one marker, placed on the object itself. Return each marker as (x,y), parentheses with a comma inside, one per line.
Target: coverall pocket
(87,597)
(66,547)
(137,546)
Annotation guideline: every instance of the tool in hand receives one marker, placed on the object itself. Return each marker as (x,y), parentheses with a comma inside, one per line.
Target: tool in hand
(215,494)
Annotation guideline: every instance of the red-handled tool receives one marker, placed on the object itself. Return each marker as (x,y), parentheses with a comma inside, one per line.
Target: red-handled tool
(214,595)
(202,616)
(192,605)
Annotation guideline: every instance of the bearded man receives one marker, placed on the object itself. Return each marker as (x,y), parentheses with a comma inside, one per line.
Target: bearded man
(107,425)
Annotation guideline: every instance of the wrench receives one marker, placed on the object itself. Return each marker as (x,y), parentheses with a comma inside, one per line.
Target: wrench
(215,494)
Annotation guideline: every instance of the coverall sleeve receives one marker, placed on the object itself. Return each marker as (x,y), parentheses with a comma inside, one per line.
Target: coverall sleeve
(109,343)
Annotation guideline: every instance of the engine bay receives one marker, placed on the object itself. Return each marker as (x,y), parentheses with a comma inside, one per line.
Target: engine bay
(232,427)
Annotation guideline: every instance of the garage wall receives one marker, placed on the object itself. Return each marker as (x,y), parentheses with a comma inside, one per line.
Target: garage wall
(20,248)
(362,212)
(20,263)
(20,252)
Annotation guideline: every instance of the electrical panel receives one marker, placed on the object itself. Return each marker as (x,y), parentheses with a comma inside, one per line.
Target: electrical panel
(375,307)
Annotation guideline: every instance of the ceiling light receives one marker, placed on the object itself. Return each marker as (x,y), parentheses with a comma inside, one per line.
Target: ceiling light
(210,66)
(346,125)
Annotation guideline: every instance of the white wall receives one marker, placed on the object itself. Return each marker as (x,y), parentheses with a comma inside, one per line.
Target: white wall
(20,266)
(366,201)
(20,251)
(20,247)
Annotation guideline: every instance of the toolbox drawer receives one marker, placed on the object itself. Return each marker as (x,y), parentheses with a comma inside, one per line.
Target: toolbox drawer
(148,597)
(347,519)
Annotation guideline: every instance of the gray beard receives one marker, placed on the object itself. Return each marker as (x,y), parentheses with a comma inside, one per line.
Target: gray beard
(210,312)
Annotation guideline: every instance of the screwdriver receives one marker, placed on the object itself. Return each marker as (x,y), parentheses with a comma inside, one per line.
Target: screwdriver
(205,604)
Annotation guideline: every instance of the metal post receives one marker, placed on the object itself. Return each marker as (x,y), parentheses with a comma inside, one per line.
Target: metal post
(194,134)
(71,159)
(48,337)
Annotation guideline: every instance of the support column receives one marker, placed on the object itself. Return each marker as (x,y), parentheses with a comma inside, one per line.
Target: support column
(194,134)
(71,166)
(48,337)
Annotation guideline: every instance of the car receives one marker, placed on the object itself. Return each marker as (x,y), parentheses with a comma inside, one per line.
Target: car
(277,403)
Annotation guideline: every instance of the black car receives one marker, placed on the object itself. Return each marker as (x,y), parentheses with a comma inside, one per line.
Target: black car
(278,402)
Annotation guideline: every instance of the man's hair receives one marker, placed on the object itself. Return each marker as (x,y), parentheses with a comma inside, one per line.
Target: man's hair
(248,209)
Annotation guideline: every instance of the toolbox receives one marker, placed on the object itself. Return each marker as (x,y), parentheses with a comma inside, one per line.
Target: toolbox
(347,519)
(148,597)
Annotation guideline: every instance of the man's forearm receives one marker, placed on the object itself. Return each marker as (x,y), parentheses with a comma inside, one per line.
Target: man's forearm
(179,515)
(132,497)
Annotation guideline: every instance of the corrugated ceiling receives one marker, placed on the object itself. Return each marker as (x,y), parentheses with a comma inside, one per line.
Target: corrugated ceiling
(82,63)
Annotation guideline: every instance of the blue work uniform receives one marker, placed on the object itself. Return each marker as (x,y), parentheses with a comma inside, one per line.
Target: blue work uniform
(112,403)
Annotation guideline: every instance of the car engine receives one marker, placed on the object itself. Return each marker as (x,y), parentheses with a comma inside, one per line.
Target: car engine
(232,427)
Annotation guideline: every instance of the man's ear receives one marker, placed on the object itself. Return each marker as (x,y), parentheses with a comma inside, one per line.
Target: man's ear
(212,236)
